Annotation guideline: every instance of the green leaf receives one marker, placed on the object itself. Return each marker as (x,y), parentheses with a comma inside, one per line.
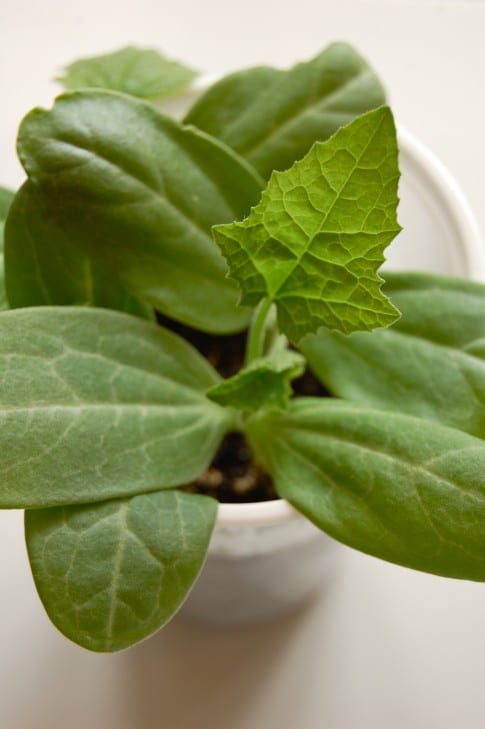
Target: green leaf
(140,72)
(6,197)
(265,382)
(138,194)
(111,574)
(431,363)
(42,266)
(95,404)
(273,117)
(394,486)
(316,239)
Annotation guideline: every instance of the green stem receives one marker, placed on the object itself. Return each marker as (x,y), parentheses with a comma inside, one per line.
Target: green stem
(256,331)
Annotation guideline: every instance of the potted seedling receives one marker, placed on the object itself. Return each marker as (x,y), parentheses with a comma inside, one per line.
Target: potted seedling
(182,292)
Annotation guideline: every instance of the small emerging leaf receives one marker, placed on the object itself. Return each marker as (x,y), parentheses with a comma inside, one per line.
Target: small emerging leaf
(137,71)
(95,404)
(111,574)
(394,486)
(431,363)
(273,117)
(264,382)
(315,241)
(42,266)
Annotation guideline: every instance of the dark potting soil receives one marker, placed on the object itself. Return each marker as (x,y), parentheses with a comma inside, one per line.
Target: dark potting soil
(234,476)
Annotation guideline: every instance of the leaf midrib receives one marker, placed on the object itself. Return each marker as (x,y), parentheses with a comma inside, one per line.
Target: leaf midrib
(337,197)
(321,105)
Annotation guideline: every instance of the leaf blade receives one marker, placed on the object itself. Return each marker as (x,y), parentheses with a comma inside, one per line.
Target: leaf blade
(140,72)
(428,364)
(393,486)
(95,404)
(316,239)
(43,267)
(138,193)
(110,574)
(265,382)
(6,197)
(273,117)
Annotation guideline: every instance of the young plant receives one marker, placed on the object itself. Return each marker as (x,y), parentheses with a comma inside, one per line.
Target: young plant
(268,208)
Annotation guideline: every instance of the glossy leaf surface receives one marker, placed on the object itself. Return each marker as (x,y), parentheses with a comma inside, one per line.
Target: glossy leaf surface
(95,404)
(315,241)
(111,574)
(138,194)
(393,486)
(273,117)
(44,267)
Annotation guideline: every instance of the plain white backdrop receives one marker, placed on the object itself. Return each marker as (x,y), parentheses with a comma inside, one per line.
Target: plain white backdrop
(385,647)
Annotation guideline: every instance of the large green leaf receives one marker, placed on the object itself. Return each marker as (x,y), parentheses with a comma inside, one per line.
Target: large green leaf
(110,574)
(42,266)
(316,239)
(6,197)
(141,72)
(273,117)
(431,363)
(391,485)
(95,404)
(138,194)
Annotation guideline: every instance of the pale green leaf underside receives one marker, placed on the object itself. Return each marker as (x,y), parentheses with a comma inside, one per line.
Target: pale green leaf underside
(431,363)
(95,404)
(138,193)
(273,117)
(42,266)
(6,197)
(265,382)
(315,241)
(140,72)
(394,486)
(111,574)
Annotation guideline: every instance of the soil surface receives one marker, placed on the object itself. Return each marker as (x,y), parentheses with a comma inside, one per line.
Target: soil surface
(234,476)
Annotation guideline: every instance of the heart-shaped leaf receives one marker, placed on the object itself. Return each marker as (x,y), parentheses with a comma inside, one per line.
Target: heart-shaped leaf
(95,404)
(431,363)
(138,194)
(273,117)
(316,239)
(391,485)
(111,574)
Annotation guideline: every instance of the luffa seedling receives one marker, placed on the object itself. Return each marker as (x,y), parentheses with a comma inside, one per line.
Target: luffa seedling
(105,416)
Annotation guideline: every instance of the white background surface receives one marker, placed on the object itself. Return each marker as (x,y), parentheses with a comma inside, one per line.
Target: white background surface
(385,647)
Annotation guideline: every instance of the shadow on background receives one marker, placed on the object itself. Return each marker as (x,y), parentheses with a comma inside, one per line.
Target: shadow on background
(194,675)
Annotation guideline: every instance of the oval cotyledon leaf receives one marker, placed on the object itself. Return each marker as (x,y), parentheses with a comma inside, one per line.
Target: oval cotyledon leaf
(272,117)
(138,193)
(43,267)
(394,486)
(110,574)
(431,363)
(95,404)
